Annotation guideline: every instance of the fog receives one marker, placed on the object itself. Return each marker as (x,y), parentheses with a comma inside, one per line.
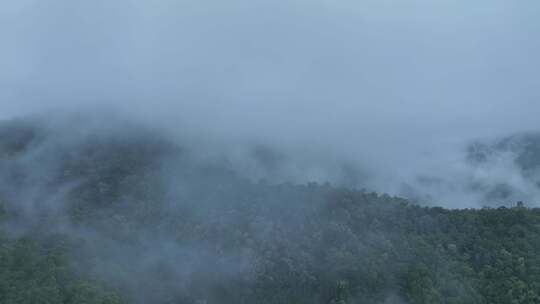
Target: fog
(372,94)
(171,146)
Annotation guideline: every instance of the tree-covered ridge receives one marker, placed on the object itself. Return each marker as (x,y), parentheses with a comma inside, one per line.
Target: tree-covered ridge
(132,217)
(33,271)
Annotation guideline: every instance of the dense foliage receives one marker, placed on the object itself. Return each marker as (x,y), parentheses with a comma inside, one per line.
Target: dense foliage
(131,217)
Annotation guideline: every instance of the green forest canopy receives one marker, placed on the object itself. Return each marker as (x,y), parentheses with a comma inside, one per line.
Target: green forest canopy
(100,219)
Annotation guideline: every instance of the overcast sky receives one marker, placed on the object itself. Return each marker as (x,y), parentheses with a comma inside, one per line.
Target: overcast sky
(352,75)
(304,63)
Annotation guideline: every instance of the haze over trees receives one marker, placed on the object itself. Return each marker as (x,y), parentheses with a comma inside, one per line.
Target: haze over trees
(111,211)
(269,152)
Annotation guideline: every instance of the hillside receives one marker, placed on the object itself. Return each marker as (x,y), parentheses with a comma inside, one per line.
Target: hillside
(121,213)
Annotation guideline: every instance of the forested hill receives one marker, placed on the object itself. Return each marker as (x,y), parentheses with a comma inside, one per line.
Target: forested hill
(115,213)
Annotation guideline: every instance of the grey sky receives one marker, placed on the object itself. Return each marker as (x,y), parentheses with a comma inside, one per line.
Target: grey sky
(441,61)
(356,77)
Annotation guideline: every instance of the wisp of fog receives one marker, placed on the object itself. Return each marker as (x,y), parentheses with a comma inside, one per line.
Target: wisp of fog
(383,95)
(259,151)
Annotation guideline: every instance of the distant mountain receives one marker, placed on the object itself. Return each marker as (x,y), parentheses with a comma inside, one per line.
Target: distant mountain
(519,155)
(524,148)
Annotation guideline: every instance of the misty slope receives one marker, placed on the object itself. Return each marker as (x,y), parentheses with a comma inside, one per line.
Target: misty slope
(107,211)
(513,164)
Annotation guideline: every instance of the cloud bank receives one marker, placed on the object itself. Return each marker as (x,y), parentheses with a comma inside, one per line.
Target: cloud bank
(375,94)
